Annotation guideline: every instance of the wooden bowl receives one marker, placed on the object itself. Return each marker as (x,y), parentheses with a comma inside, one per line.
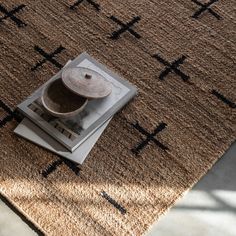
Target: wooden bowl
(61,102)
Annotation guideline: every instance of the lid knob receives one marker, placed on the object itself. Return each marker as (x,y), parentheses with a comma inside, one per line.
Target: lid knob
(87,76)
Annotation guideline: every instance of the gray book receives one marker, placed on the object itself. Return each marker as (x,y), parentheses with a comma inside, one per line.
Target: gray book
(74,131)
(28,130)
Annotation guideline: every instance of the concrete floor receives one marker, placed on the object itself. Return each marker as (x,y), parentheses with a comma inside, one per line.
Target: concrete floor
(209,209)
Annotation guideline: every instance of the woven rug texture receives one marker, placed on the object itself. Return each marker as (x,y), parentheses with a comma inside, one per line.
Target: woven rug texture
(180,54)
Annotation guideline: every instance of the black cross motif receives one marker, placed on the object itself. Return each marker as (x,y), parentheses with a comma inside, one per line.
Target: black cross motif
(172,67)
(125,27)
(11,15)
(53,166)
(223,99)
(93,3)
(48,57)
(113,202)
(205,7)
(149,137)
(10,114)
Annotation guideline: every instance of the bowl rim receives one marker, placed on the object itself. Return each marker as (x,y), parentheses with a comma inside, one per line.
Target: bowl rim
(61,114)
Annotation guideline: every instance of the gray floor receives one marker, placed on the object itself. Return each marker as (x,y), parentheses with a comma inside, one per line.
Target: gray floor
(209,209)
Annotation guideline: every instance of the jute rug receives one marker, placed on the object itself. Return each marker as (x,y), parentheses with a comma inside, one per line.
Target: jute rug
(181,56)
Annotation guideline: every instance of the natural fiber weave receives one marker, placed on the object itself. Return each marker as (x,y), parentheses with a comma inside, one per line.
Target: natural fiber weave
(130,178)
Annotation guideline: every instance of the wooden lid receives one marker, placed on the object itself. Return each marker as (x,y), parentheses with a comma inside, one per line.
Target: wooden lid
(86,82)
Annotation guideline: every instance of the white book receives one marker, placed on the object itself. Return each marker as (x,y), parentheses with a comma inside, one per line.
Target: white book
(71,133)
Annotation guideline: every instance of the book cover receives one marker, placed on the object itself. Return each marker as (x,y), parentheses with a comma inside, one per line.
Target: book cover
(72,132)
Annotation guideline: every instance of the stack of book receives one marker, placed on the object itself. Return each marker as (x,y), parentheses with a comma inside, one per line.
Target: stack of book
(74,137)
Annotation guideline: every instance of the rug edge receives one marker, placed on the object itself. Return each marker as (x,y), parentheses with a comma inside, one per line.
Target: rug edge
(24,217)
